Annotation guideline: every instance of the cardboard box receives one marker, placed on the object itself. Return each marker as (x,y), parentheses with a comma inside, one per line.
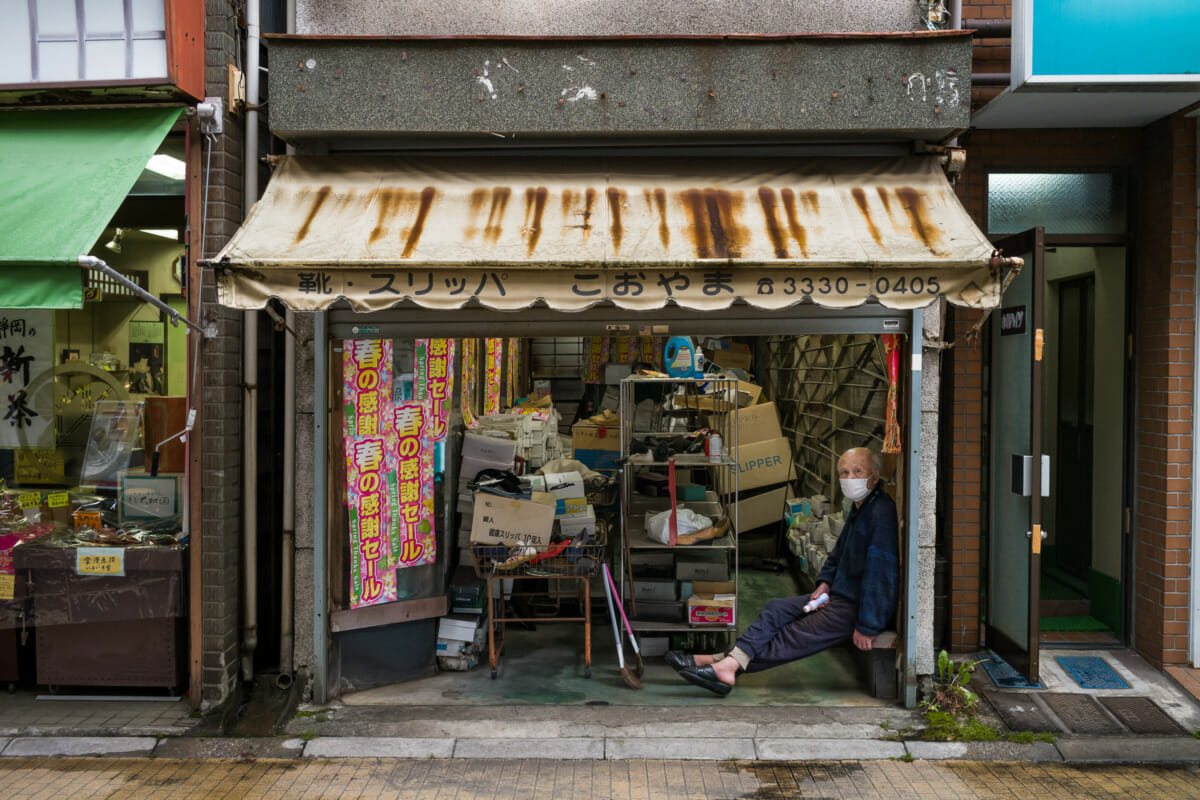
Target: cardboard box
(732,356)
(587,436)
(614,373)
(598,459)
(575,524)
(763,508)
(459,629)
(567,485)
(759,423)
(567,506)
(712,603)
(747,395)
(763,464)
(654,589)
(500,520)
(697,567)
(689,493)
(660,611)
(489,448)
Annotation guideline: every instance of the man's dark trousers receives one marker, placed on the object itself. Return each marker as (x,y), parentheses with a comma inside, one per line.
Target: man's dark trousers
(783,633)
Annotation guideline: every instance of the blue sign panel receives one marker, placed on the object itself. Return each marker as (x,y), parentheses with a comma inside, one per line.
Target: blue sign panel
(1115,37)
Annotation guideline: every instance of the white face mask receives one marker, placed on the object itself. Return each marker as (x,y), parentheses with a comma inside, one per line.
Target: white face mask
(855,488)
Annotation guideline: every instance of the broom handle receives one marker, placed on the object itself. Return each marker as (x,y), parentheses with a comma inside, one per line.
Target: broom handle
(621,608)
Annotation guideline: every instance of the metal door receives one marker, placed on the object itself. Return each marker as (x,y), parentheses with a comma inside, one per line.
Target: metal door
(1016,470)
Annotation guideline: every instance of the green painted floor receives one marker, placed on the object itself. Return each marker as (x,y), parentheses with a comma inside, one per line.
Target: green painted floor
(545,666)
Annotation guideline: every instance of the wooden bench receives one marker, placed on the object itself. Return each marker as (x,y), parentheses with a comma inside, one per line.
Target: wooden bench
(879,665)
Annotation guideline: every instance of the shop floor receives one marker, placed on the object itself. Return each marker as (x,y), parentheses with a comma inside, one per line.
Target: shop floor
(545,666)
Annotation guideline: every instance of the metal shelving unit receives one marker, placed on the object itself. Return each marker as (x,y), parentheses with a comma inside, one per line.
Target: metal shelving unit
(692,403)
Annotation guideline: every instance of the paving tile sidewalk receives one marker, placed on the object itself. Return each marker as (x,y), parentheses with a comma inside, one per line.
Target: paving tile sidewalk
(501,779)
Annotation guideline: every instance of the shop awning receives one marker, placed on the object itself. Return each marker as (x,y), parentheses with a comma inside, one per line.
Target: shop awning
(638,233)
(63,173)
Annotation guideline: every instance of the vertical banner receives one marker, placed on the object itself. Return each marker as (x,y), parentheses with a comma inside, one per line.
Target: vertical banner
(470,367)
(621,351)
(651,350)
(435,379)
(595,354)
(495,367)
(26,354)
(891,435)
(370,484)
(414,465)
(513,369)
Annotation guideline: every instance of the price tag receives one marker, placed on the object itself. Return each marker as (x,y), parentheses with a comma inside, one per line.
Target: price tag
(100,561)
(58,499)
(30,500)
(88,519)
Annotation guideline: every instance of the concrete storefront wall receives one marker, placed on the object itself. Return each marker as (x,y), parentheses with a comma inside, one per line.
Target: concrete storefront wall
(864,88)
(600,17)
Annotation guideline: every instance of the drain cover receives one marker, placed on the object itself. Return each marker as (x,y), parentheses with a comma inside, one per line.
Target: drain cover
(1081,713)
(1020,711)
(1141,715)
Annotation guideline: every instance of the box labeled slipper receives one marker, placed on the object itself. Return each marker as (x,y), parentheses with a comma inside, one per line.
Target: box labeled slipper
(502,520)
(712,603)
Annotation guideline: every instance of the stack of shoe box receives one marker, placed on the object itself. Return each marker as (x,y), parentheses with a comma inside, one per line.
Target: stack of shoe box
(478,453)
(764,463)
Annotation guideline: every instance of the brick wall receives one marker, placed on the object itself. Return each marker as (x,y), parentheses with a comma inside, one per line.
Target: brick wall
(962,414)
(220,387)
(991,55)
(1164,358)
(1161,163)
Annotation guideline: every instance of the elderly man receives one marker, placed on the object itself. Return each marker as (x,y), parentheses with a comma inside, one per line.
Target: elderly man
(861,577)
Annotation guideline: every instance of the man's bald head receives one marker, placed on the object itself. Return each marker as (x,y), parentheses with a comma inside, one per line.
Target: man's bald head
(861,462)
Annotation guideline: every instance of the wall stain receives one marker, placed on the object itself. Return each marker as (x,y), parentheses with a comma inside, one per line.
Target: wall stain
(694,203)
(318,201)
(414,235)
(495,223)
(475,206)
(716,232)
(616,199)
(860,199)
(798,231)
(387,200)
(913,204)
(664,230)
(812,202)
(589,201)
(766,197)
(535,207)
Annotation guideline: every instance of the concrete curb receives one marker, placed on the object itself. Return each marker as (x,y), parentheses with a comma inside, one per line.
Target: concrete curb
(1145,749)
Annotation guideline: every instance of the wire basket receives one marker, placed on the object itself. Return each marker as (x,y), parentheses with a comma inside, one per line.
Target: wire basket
(565,559)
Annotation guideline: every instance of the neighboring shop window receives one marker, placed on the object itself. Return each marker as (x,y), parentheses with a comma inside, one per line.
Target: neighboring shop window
(1079,203)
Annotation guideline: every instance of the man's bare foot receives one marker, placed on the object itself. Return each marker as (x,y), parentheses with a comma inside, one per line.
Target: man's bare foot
(702,660)
(726,669)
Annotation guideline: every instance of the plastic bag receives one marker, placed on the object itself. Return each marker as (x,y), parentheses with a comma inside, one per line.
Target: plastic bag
(658,526)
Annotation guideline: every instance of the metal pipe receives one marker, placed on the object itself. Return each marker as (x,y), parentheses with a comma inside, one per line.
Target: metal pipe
(91,262)
(913,521)
(320,579)
(1194,572)
(991,78)
(989,28)
(955,15)
(250,365)
(288,556)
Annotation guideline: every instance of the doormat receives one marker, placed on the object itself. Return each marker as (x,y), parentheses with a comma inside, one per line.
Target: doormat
(1004,676)
(1091,672)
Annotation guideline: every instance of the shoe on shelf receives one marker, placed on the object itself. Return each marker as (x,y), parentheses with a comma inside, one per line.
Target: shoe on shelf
(605,417)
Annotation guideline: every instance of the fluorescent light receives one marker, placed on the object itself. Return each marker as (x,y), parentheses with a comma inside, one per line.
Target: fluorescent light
(167,166)
(166,233)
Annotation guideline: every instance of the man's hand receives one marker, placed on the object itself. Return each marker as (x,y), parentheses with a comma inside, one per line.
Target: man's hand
(822,588)
(862,641)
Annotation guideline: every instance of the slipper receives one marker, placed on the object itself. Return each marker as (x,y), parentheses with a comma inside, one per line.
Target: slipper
(705,677)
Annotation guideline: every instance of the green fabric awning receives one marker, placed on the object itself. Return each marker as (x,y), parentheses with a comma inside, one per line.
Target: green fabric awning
(63,174)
